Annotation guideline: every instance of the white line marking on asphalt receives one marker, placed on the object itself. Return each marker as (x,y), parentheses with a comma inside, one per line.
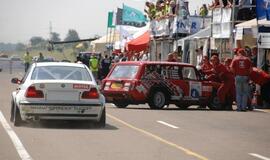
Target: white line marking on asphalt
(15,139)
(261,110)
(167,124)
(259,156)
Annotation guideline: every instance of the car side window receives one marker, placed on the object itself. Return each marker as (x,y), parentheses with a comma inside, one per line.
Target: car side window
(189,73)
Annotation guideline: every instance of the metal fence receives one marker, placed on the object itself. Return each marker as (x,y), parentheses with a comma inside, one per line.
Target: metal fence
(7,65)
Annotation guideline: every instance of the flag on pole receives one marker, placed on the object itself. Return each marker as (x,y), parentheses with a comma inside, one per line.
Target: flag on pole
(263,9)
(132,15)
(110,23)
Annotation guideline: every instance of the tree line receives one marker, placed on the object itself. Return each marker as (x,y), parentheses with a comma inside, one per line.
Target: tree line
(38,42)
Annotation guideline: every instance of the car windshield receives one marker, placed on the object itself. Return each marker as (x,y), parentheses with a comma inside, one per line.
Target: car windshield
(60,72)
(124,71)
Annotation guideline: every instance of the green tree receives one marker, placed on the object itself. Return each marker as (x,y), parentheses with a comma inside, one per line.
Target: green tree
(55,37)
(36,40)
(20,47)
(72,35)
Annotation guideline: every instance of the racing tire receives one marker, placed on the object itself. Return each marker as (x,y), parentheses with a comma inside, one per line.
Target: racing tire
(182,106)
(121,105)
(12,111)
(157,99)
(102,122)
(215,103)
(17,117)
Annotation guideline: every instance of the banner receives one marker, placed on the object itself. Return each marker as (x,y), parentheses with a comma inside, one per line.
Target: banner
(160,28)
(222,23)
(188,26)
(217,15)
(226,15)
(132,15)
(110,20)
(263,9)
(239,33)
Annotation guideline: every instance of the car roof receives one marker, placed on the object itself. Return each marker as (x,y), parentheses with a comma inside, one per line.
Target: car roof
(68,64)
(154,63)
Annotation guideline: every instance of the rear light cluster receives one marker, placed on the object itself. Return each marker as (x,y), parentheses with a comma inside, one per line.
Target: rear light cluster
(31,92)
(91,94)
(107,85)
(127,86)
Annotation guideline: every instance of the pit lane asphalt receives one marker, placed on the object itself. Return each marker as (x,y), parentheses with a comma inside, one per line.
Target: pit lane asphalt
(135,133)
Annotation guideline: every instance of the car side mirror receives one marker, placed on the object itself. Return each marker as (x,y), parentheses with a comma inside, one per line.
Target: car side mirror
(15,81)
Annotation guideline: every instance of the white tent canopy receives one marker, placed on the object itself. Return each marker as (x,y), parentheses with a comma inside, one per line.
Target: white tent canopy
(99,45)
(253,23)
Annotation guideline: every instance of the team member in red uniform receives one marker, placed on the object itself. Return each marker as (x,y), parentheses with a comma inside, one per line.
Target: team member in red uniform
(206,66)
(261,78)
(241,67)
(226,78)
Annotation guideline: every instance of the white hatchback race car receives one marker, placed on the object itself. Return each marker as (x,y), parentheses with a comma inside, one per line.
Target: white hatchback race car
(57,91)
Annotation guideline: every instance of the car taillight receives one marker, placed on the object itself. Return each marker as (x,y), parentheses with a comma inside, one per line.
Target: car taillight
(107,85)
(31,92)
(127,86)
(92,94)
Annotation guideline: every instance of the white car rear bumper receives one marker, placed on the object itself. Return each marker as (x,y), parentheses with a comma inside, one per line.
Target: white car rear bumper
(30,111)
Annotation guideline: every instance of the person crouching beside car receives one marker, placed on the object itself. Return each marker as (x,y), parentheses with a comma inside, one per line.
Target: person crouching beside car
(221,74)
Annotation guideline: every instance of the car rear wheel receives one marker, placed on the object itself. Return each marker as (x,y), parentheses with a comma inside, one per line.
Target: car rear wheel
(157,99)
(102,122)
(12,111)
(17,117)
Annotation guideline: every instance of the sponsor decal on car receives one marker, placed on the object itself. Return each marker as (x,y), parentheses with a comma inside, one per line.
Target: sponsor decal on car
(81,86)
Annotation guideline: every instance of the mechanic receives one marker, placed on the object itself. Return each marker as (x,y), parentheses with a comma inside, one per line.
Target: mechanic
(206,66)
(241,66)
(221,74)
(261,78)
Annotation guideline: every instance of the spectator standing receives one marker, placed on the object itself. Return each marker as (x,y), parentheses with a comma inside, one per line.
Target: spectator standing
(241,66)
(27,59)
(40,57)
(105,66)
(203,11)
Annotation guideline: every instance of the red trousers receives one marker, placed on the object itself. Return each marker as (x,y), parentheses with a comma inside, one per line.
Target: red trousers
(226,89)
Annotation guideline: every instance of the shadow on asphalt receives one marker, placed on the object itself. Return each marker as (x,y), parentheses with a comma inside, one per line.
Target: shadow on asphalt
(57,124)
(173,109)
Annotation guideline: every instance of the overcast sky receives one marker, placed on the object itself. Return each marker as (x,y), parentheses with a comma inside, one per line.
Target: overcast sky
(22,19)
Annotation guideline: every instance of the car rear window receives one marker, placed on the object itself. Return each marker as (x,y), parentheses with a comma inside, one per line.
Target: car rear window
(124,71)
(60,73)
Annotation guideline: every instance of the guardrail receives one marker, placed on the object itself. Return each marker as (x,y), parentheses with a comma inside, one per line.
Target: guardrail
(8,65)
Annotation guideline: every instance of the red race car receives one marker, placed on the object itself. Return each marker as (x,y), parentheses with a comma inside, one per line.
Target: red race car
(158,84)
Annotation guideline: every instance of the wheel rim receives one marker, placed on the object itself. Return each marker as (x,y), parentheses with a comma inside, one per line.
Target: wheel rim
(159,99)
